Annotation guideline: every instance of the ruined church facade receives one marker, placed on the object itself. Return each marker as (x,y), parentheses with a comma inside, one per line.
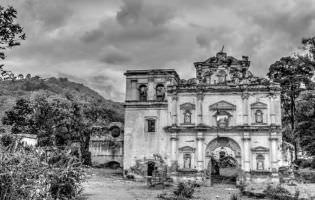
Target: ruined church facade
(223,111)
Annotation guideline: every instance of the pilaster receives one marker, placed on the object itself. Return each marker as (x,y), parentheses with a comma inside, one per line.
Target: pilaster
(151,89)
(174,110)
(174,139)
(246,140)
(199,108)
(200,158)
(245,97)
(272,109)
(274,158)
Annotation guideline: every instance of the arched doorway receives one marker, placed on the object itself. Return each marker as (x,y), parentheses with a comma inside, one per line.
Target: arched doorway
(224,159)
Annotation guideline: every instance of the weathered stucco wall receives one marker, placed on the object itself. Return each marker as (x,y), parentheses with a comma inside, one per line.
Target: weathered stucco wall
(195,113)
(140,143)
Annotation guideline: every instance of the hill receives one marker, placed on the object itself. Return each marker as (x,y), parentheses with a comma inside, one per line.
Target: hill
(10,91)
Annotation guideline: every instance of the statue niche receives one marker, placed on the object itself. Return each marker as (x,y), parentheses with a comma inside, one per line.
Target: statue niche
(143,93)
(160,92)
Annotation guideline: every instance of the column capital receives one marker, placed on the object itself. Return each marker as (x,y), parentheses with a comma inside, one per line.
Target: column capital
(151,79)
(200,96)
(174,136)
(200,136)
(175,98)
(245,95)
(246,136)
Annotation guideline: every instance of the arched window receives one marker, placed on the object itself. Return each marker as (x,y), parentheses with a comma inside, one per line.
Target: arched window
(260,160)
(187,161)
(143,93)
(160,92)
(259,116)
(187,117)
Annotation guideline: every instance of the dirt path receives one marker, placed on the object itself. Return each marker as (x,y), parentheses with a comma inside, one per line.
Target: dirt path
(103,184)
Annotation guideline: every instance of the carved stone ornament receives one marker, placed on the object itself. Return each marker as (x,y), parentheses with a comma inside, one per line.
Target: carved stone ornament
(187,149)
(260,149)
(258,105)
(222,105)
(187,106)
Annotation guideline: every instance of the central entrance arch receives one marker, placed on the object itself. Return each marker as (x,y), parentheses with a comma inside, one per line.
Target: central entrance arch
(222,153)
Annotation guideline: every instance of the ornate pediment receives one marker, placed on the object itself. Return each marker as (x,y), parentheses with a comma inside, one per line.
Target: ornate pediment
(258,105)
(237,69)
(222,105)
(187,149)
(260,149)
(187,106)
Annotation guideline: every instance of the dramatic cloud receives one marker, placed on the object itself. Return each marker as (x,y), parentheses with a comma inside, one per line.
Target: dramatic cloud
(95,41)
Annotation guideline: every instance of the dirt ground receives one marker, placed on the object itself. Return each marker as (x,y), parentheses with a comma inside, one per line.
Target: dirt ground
(106,184)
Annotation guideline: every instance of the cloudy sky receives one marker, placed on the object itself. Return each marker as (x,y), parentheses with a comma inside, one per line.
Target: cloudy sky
(95,41)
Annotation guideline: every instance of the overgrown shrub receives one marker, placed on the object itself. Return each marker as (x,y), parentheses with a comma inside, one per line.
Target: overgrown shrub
(313,164)
(234,197)
(306,164)
(185,189)
(280,193)
(37,174)
(303,163)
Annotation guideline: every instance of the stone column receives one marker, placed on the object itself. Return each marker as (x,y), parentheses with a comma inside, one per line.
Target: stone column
(174,110)
(151,89)
(272,110)
(200,158)
(245,108)
(246,140)
(174,138)
(199,108)
(274,152)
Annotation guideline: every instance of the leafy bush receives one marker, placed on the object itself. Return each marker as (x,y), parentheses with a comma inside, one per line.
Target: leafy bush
(234,197)
(185,190)
(313,163)
(38,174)
(306,164)
(303,163)
(280,193)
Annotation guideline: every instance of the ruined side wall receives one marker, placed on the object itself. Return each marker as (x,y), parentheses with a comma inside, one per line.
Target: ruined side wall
(140,144)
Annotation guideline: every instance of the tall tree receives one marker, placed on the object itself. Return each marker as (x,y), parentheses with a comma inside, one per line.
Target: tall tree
(294,76)
(11,33)
(305,118)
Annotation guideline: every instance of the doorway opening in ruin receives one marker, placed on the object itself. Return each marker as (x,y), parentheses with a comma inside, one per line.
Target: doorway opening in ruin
(151,166)
(224,158)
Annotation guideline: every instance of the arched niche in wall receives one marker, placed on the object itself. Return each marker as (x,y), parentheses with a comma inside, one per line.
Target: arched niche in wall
(187,113)
(187,156)
(259,113)
(260,157)
(143,92)
(221,74)
(160,92)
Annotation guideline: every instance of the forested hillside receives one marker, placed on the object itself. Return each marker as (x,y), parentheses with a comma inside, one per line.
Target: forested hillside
(11,90)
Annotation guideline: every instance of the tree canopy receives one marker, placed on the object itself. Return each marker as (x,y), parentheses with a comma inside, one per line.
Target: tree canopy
(11,33)
(306,121)
(294,74)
